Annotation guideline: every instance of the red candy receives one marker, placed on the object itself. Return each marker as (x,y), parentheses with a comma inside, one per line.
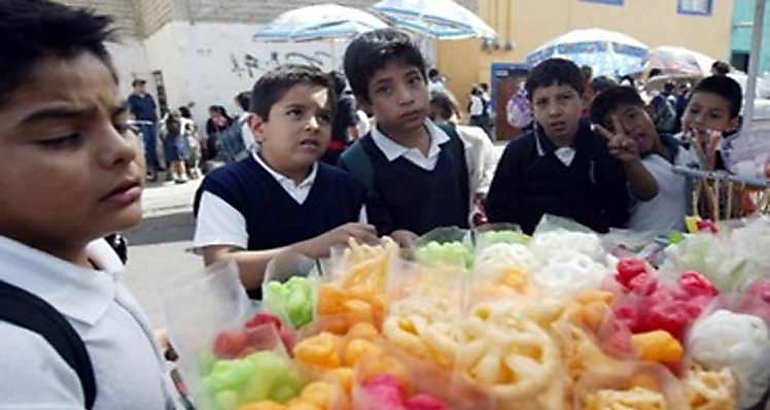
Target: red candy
(628,269)
(229,345)
(262,318)
(694,284)
(643,284)
(760,289)
(424,402)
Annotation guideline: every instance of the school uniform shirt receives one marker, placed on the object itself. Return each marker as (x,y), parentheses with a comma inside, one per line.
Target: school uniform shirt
(127,365)
(231,206)
(582,182)
(666,211)
(438,191)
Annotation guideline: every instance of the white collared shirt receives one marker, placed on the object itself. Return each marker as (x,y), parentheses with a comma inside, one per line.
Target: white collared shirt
(128,369)
(219,223)
(394,150)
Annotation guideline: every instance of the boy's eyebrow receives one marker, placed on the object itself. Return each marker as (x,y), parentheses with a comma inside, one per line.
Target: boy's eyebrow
(57,112)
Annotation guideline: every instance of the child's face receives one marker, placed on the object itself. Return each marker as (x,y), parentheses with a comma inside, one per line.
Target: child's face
(636,124)
(69,166)
(298,129)
(557,108)
(398,97)
(708,111)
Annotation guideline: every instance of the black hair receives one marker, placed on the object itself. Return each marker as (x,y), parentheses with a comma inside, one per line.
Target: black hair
(372,51)
(602,83)
(221,110)
(244,100)
(445,102)
(433,73)
(31,30)
(339,81)
(274,84)
(654,73)
(555,71)
(629,79)
(484,87)
(609,100)
(185,112)
(720,67)
(724,87)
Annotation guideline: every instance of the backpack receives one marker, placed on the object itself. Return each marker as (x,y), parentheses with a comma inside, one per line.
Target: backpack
(23,309)
(229,144)
(358,162)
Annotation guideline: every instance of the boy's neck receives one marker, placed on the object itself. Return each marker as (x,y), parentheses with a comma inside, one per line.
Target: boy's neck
(562,142)
(295,174)
(418,138)
(75,253)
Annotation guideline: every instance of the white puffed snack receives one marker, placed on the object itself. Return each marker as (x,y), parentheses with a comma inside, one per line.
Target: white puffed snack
(569,272)
(739,342)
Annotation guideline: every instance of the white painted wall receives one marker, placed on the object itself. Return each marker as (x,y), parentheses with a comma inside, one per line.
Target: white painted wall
(130,60)
(209,63)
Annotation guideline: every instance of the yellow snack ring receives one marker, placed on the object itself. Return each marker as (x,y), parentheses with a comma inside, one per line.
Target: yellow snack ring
(658,346)
(263,405)
(318,393)
(357,348)
(319,350)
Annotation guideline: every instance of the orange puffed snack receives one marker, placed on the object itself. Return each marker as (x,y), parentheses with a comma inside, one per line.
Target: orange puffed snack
(318,393)
(357,348)
(343,376)
(319,351)
(658,346)
(377,364)
(363,331)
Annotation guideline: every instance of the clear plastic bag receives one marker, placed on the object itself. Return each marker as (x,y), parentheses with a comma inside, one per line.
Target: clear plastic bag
(445,246)
(290,288)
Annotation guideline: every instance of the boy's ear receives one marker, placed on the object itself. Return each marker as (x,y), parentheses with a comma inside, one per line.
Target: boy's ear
(257,126)
(736,122)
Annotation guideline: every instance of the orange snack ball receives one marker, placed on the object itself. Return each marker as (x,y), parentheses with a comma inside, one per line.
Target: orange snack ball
(363,330)
(357,348)
(342,376)
(378,364)
(321,350)
(318,393)
(658,346)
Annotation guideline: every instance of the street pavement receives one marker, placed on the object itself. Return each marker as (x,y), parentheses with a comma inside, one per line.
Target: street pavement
(159,247)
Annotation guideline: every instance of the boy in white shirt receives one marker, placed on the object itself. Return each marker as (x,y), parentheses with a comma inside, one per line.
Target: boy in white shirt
(70,174)
(622,107)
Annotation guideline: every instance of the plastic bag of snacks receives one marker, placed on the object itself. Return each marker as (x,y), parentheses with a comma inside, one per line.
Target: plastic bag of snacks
(445,246)
(632,386)
(230,355)
(289,289)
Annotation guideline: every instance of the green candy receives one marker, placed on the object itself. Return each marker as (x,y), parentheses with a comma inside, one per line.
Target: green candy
(504,236)
(292,300)
(449,253)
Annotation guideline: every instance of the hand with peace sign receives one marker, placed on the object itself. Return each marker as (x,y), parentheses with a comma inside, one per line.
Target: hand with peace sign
(620,145)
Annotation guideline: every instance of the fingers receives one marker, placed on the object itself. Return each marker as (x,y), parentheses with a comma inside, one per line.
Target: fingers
(604,132)
(618,127)
(363,233)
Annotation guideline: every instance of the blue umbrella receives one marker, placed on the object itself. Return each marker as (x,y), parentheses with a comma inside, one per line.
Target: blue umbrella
(441,19)
(607,52)
(324,21)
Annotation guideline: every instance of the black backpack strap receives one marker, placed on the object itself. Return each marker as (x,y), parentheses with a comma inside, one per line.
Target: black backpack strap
(23,309)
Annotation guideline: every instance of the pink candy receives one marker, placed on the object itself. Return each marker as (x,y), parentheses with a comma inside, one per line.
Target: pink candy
(385,392)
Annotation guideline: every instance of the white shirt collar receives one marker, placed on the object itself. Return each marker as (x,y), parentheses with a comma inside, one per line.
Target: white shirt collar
(80,293)
(394,150)
(297,191)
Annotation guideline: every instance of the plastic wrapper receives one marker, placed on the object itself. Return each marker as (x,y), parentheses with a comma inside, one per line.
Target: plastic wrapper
(226,360)
(500,233)
(554,235)
(648,246)
(737,341)
(710,390)
(445,246)
(638,386)
(289,289)
(748,154)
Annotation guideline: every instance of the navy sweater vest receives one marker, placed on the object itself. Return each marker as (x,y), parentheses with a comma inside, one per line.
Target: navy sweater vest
(412,198)
(275,219)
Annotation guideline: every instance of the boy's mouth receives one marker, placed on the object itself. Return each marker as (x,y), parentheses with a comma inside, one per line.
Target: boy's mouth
(310,143)
(558,126)
(412,115)
(125,193)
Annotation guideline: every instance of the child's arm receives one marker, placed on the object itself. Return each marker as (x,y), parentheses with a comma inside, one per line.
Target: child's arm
(252,264)
(625,150)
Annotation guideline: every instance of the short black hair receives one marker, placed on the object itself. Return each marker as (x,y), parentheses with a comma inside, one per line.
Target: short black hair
(244,100)
(445,102)
(372,51)
(338,81)
(31,30)
(609,100)
(721,67)
(555,71)
(602,83)
(724,87)
(274,84)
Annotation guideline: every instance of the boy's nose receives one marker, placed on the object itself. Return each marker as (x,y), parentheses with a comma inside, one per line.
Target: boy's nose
(312,123)
(405,95)
(117,148)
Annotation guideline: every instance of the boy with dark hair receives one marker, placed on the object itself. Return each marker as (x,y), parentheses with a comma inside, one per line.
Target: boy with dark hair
(70,173)
(660,153)
(416,173)
(562,167)
(281,199)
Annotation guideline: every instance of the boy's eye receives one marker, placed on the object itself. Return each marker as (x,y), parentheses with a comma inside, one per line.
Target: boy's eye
(66,141)
(384,90)
(325,118)
(122,127)
(416,80)
(294,112)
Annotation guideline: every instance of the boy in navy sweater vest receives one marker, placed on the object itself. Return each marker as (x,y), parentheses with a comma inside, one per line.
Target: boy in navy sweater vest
(419,178)
(563,167)
(281,199)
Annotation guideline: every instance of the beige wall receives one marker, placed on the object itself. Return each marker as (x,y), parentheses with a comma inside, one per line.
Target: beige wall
(530,23)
